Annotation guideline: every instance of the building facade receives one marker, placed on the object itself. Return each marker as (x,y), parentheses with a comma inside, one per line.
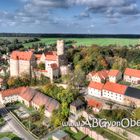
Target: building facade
(26,62)
(95,89)
(29,97)
(132,76)
(21,62)
(114,76)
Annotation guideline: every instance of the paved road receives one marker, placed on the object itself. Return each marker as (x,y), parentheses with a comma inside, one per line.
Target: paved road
(14,124)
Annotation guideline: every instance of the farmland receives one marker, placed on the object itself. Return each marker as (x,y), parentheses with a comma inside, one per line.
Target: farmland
(90,41)
(82,41)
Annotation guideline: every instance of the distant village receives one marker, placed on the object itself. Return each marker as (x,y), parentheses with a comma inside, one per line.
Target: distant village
(103,86)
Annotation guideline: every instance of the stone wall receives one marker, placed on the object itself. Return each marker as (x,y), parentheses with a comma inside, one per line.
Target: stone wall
(120,131)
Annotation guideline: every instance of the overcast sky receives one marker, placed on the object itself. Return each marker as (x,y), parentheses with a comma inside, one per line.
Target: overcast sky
(70,16)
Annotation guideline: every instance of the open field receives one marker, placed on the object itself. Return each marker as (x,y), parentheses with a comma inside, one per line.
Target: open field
(90,41)
(12,38)
(82,41)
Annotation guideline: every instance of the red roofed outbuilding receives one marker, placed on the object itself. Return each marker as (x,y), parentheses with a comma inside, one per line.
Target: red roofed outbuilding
(95,105)
(132,76)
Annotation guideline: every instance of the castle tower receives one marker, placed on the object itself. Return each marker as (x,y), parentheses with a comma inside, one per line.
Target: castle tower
(60,47)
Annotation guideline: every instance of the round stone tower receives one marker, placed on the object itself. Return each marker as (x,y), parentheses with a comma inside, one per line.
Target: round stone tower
(60,47)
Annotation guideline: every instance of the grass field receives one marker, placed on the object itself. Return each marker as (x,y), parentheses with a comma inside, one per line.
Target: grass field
(9,135)
(90,41)
(83,41)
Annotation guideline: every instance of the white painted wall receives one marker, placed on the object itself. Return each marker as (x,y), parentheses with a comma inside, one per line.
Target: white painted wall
(112,96)
(94,92)
(131,79)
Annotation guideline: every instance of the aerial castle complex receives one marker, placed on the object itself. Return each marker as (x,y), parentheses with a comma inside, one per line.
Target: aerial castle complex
(26,62)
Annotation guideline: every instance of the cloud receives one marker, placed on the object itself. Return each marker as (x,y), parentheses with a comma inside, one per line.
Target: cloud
(40,12)
(82,15)
(112,10)
(130,9)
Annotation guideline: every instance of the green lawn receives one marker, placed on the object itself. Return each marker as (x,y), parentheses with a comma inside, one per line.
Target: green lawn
(90,41)
(9,135)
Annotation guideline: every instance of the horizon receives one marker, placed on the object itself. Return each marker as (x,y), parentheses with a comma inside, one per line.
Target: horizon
(70,16)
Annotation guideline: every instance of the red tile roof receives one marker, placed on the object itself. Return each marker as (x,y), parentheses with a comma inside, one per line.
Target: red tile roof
(54,66)
(20,55)
(38,56)
(113,72)
(114,87)
(10,92)
(41,99)
(28,94)
(52,56)
(96,85)
(132,72)
(103,74)
(92,73)
(94,103)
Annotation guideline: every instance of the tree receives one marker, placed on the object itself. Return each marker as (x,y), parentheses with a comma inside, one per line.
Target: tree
(65,109)
(42,112)
(119,63)
(79,76)
(12,81)
(41,66)
(136,114)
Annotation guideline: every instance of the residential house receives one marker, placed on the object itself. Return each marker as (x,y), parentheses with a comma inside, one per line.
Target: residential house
(50,104)
(95,105)
(95,89)
(76,109)
(30,97)
(114,76)
(10,95)
(26,95)
(114,92)
(132,76)
(99,76)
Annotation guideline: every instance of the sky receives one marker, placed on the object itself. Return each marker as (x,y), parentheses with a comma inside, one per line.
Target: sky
(70,16)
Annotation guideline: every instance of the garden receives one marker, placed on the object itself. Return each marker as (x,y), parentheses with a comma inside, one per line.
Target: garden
(76,136)
(33,120)
(9,135)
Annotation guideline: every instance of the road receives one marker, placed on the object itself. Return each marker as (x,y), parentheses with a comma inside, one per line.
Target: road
(15,125)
